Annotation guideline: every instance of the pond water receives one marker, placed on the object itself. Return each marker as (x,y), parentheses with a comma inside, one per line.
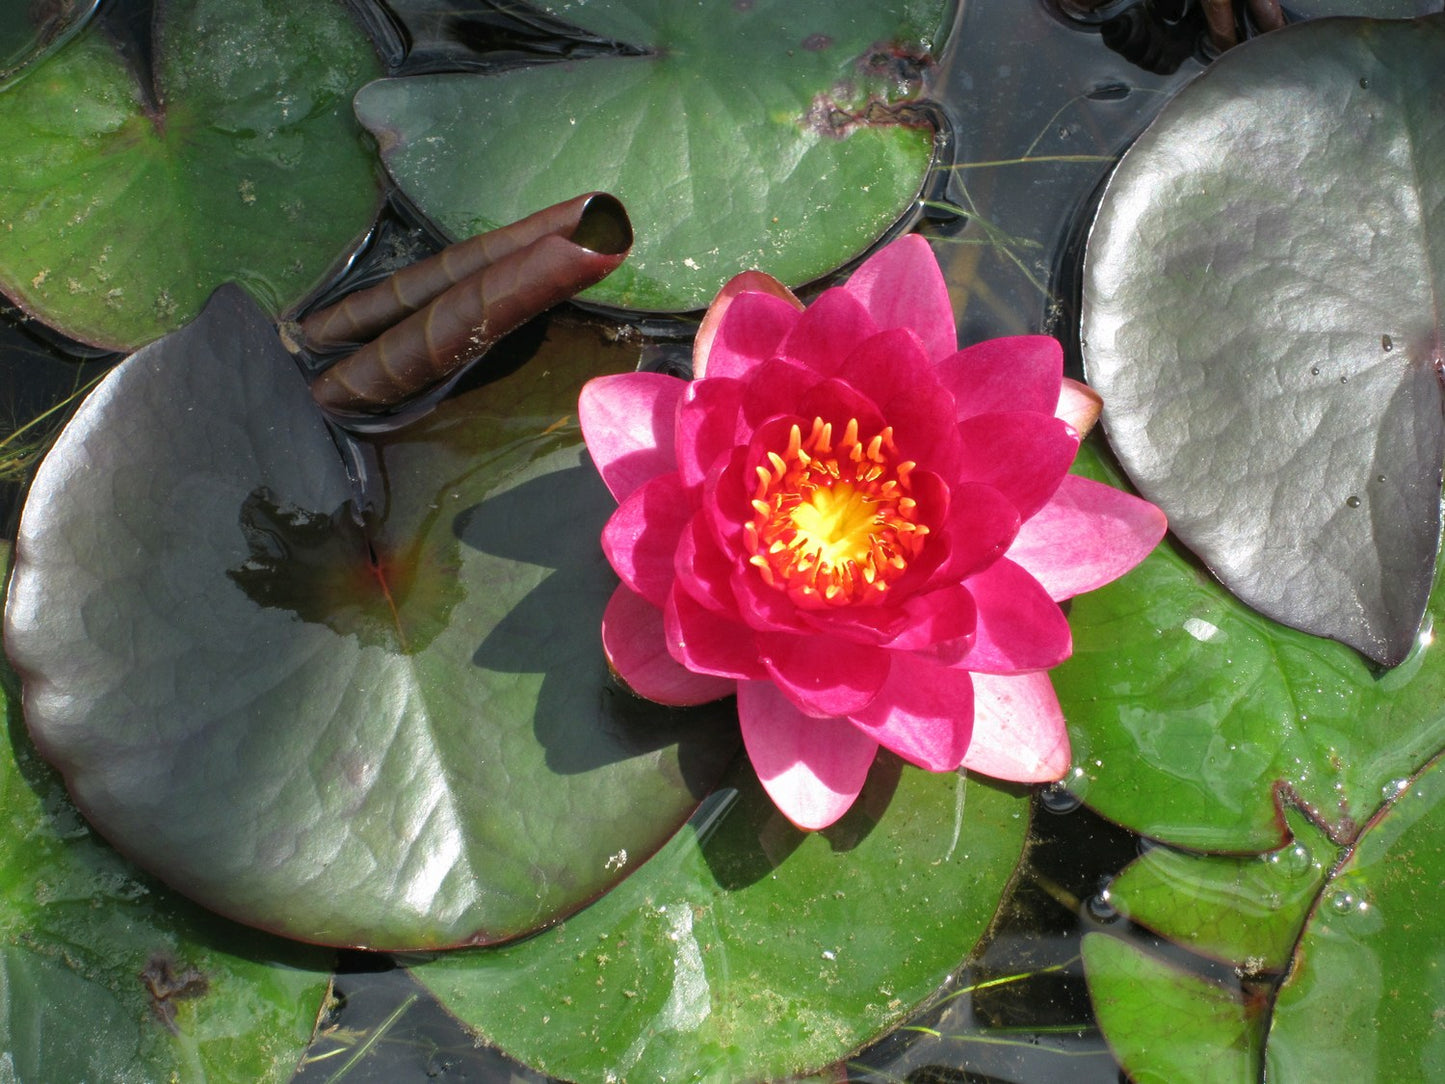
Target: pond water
(1039,107)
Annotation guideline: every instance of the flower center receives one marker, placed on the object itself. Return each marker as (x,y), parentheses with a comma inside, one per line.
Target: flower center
(834,522)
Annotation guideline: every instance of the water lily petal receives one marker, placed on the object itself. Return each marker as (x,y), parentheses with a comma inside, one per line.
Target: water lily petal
(709,643)
(891,369)
(1019,627)
(747,334)
(901,286)
(1024,455)
(707,427)
(628,421)
(812,768)
(1089,534)
(828,331)
(945,616)
(837,402)
(924,713)
(636,648)
(1079,405)
(777,386)
(980,525)
(1018,729)
(641,537)
(747,282)
(1023,372)
(703,570)
(824,675)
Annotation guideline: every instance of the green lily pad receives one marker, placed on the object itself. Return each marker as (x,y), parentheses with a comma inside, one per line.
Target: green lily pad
(383,720)
(1262,315)
(747,949)
(781,134)
(107,976)
(1192,717)
(1242,910)
(1167,1024)
(1366,997)
(125,201)
(29,31)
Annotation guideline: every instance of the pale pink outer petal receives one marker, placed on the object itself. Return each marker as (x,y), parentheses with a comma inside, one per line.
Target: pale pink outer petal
(1018,729)
(1089,534)
(924,713)
(641,538)
(1079,405)
(633,639)
(628,421)
(812,768)
(1020,372)
(1018,627)
(747,335)
(748,281)
(901,285)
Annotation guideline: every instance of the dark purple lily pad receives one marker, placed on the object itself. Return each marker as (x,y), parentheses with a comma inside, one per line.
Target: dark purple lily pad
(391,727)
(1262,314)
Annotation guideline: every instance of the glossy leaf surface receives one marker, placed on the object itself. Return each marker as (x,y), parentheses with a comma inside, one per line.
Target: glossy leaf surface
(1165,1024)
(125,200)
(108,976)
(1366,997)
(774,134)
(1188,711)
(747,949)
(397,735)
(1262,305)
(1246,911)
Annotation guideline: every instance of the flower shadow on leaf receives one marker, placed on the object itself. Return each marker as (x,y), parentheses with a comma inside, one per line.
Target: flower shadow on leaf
(554,521)
(757,838)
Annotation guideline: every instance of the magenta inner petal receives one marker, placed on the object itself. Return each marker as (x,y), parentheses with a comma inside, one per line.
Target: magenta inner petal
(641,537)
(703,570)
(828,331)
(1019,627)
(901,286)
(924,713)
(746,282)
(775,387)
(838,402)
(980,526)
(824,675)
(628,421)
(748,334)
(707,427)
(1024,372)
(636,649)
(710,643)
(945,616)
(812,768)
(1023,455)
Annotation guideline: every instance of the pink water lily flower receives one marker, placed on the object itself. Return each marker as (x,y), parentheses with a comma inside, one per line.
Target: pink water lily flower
(860,529)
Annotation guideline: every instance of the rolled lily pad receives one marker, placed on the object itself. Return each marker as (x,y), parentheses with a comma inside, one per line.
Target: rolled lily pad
(126,199)
(748,949)
(388,726)
(782,134)
(29,31)
(107,976)
(1193,718)
(1366,997)
(1264,284)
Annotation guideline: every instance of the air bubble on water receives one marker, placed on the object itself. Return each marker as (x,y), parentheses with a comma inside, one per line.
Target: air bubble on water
(1314,370)
(1294,861)
(1344,903)
(1394,788)
(1352,501)
(1386,343)
(1057,798)
(1101,906)
(1344,380)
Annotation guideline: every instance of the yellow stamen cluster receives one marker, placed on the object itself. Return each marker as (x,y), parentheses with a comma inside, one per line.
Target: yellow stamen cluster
(834,522)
